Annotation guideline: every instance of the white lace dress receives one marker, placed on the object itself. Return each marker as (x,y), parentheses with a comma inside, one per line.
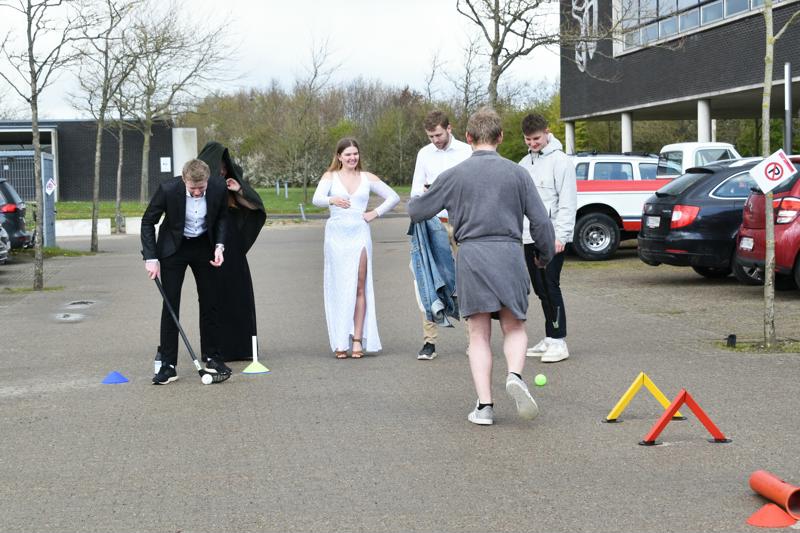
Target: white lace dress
(346,235)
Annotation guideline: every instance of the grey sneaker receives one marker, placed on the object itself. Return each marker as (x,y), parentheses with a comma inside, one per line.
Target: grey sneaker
(482,417)
(427,352)
(526,406)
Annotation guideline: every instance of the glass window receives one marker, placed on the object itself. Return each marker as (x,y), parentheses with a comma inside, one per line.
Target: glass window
(736,6)
(679,185)
(648,9)
(686,4)
(648,170)
(613,171)
(711,12)
(690,19)
(735,187)
(710,155)
(756,3)
(649,33)
(666,7)
(670,163)
(632,39)
(582,171)
(630,14)
(668,27)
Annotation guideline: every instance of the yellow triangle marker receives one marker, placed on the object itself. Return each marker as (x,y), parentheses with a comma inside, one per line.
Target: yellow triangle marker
(255,367)
(641,380)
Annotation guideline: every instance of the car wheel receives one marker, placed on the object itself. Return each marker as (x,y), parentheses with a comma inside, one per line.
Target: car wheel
(596,237)
(712,272)
(747,275)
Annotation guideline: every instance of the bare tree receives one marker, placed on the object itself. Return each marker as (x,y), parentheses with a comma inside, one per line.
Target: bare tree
(175,58)
(468,84)
(430,79)
(769,259)
(511,29)
(48,49)
(106,64)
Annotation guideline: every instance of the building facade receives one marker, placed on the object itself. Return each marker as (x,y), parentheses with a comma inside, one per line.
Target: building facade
(72,144)
(670,60)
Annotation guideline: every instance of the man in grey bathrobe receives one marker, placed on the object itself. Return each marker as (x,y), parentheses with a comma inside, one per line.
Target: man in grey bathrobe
(486,197)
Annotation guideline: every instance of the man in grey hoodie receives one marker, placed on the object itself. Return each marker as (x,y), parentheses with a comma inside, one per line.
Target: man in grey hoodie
(553,173)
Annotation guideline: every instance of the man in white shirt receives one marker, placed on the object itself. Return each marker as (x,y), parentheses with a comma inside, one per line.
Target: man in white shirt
(444,152)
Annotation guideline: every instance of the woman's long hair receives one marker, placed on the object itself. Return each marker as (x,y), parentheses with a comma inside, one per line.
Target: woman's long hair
(343,144)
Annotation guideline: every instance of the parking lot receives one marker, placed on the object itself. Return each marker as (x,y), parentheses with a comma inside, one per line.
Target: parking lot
(383,444)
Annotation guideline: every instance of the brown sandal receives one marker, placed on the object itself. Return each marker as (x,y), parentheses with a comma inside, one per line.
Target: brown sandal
(358,354)
(340,354)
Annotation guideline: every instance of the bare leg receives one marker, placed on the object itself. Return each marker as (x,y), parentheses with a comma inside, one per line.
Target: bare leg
(480,355)
(361,303)
(515,340)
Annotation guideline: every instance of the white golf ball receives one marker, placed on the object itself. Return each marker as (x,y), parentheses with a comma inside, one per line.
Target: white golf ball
(207,379)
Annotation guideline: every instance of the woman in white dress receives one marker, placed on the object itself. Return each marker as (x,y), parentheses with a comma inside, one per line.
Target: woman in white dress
(349,298)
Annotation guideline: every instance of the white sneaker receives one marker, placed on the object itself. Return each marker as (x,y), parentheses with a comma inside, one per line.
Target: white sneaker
(482,417)
(556,352)
(526,406)
(539,349)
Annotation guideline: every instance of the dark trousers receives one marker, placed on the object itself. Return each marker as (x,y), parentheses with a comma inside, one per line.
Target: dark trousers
(547,286)
(194,253)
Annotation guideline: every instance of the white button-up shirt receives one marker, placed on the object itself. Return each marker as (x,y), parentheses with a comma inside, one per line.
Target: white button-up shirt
(196,209)
(431,162)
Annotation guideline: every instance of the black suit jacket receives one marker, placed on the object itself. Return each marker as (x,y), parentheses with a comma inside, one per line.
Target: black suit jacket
(170,200)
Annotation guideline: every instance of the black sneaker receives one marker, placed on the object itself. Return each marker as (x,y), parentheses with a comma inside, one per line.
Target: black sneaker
(427,352)
(215,365)
(166,375)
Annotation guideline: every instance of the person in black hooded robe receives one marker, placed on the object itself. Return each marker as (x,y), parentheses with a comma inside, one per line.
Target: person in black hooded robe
(246,217)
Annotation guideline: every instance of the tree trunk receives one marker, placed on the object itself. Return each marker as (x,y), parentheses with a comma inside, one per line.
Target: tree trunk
(769,255)
(144,191)
(494,77)
(38,253)
(118,204)
(98,146)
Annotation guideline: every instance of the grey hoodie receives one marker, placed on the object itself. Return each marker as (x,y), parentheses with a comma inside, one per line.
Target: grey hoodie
(553,173)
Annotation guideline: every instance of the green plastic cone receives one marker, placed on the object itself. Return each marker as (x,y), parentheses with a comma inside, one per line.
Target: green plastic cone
(255,368)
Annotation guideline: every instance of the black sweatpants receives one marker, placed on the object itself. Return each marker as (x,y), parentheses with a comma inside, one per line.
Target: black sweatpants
(547,286)
(194,253)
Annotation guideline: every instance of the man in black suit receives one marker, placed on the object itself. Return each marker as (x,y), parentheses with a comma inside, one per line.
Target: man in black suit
(192,235)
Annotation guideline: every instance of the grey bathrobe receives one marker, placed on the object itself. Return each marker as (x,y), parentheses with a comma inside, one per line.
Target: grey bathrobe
(486,197)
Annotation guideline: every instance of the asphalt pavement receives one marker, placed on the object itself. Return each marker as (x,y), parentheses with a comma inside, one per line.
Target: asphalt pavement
(382,444)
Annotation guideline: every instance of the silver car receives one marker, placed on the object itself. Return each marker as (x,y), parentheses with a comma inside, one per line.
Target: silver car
(5,246)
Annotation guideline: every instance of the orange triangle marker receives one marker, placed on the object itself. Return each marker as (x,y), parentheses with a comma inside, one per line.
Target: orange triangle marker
(771,515)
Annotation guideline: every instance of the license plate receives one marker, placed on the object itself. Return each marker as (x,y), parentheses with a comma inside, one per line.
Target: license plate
(653,222)
(746,243)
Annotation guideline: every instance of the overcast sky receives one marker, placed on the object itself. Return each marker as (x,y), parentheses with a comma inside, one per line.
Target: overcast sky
(388,40)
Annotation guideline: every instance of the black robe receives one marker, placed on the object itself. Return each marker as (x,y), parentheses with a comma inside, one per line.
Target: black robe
(236,301)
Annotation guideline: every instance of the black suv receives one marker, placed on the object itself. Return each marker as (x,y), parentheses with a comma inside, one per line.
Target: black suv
(693,220)
(12,216)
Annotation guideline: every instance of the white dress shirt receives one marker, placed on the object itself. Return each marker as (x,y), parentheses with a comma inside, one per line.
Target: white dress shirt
(431,162)
(196,210)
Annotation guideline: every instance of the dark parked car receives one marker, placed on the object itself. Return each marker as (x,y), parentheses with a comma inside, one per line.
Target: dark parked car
(693,220)
(12,216)
(786,203)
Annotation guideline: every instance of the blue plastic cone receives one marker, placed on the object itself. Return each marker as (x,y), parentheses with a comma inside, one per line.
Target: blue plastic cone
(114,378)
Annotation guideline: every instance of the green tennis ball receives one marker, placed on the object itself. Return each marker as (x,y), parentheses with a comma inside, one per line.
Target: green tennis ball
(540,380)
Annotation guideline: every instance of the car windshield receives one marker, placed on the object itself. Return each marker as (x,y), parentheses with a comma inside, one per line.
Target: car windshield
(787,185)
(669,164)
(679,185)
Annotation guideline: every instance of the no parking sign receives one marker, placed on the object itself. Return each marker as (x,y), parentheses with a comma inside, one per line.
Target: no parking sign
(773,171)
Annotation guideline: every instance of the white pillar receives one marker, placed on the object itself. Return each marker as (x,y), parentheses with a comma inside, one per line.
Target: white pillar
(703,121)
(626,131)
(569,135)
